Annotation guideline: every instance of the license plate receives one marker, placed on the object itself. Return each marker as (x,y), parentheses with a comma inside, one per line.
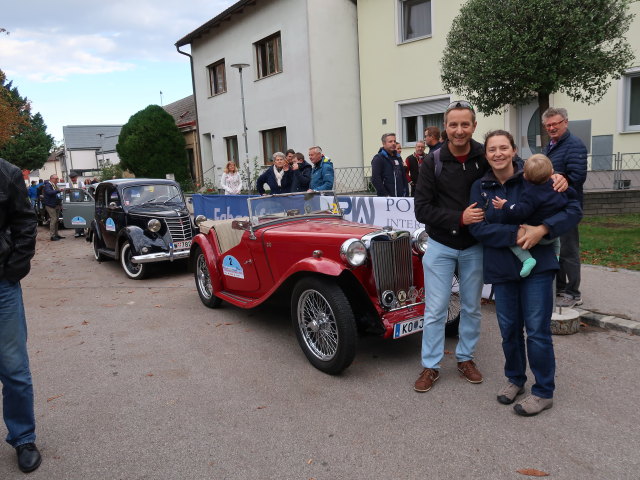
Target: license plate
(408,327)
(182,245)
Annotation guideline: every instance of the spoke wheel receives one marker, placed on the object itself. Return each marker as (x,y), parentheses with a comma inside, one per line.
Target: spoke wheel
(324,324)
(135,271)
(453,312)
(203,280)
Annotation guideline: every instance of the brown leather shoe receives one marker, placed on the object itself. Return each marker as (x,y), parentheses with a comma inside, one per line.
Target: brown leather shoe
(427,378)
(469,371)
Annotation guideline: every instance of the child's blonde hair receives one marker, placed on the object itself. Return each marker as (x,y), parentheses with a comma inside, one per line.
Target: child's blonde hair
(538,169)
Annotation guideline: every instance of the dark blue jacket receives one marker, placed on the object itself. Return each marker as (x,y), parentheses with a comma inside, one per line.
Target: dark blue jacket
(536,203)
(269,177)
(388,175)
(51,196)
(569,157)
(496,236)
(301,178)
(322,175)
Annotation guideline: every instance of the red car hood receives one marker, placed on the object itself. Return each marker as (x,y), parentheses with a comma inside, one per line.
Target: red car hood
(318,231)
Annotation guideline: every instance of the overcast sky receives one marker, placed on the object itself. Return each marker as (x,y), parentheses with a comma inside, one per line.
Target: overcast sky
(83,62)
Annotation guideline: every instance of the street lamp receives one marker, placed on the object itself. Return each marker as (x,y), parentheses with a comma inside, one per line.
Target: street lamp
(240,66)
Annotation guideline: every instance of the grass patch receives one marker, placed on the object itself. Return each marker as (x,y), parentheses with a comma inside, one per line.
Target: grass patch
(611,241)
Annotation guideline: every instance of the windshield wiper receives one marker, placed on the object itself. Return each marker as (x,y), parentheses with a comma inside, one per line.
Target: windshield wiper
(167,201)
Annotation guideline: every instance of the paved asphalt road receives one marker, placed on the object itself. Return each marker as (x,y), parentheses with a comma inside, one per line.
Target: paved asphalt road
(138,380)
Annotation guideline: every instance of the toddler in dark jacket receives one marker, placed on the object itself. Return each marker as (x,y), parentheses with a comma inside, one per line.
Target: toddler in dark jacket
(538,201)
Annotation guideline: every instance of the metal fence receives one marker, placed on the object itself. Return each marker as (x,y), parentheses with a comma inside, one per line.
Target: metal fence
(618,171)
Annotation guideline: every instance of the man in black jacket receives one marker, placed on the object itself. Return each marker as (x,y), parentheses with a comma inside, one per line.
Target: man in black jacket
(17,247)
(413,165)
(442,203)
(387,171)
(53,204)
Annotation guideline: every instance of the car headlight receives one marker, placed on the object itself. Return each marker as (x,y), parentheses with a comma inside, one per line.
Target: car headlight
(353,252)
(199,219)
(154,225)
(419,240)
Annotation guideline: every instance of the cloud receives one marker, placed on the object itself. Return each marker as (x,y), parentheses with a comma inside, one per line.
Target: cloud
(73,37)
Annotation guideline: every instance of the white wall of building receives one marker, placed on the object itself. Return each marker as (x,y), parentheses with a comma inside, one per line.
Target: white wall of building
(314,111)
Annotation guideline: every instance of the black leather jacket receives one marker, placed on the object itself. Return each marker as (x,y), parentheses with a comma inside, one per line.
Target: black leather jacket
(17,224)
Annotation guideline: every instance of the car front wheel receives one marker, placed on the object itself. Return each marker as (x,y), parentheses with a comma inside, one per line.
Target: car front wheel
(324,324)
(203,280)
(136,271)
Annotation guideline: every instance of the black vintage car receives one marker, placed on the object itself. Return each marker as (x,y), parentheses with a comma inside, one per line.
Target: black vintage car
(140,221)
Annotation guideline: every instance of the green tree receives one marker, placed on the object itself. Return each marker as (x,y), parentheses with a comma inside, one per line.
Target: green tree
(30,147)
(150,145)
(511,52)
(14,110)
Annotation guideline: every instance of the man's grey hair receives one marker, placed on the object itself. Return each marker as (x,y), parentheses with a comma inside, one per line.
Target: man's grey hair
(422,142)
(278,154)
(384,136)
(552,111)
(316,149)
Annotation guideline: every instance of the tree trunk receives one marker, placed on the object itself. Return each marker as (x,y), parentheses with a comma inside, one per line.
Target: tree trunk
(543,104)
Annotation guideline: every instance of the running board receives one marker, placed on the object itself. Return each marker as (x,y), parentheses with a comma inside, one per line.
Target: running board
(239,300)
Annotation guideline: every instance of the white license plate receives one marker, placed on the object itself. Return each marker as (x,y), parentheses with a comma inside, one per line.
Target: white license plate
(182,245)
(408,327)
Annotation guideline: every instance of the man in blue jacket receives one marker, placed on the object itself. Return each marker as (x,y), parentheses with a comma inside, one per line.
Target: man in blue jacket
(53,203)
(322,171)
(387,171)
(569,157)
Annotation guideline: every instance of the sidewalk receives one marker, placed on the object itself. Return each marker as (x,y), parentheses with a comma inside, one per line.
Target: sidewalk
(611,298)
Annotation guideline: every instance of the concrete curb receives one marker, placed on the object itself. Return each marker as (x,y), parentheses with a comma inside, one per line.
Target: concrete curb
(609,321)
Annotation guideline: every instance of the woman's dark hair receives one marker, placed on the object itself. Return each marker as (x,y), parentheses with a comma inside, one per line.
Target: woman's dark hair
(499,133)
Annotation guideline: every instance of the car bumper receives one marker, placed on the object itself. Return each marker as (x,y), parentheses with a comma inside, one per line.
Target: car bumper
(161,256)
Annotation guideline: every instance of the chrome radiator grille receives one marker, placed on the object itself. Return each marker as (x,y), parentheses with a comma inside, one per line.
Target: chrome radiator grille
(179,228)
(392,264)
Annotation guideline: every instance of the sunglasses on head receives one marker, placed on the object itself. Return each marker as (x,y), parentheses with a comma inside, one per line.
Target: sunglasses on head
(460,104)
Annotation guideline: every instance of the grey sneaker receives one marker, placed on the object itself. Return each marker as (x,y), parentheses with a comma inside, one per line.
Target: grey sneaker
(509,392)
(532,405)
(578,301)
(565,301)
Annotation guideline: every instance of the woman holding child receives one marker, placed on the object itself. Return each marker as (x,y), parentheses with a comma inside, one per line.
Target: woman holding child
(522,301)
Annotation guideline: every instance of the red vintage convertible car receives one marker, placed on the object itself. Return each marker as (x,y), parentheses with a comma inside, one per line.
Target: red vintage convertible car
(342,277)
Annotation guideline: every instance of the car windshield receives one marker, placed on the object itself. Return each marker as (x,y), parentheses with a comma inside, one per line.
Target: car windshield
(136,195)
(272,207)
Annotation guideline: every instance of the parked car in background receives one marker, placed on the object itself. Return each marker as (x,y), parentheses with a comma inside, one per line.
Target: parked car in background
(78,207)
(140,221)
(341,278)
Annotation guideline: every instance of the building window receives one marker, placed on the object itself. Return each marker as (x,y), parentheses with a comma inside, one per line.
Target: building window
(217,78)
(232,149)
(415,19)
(631,99)
(274,140)
(269,55)
(420,115)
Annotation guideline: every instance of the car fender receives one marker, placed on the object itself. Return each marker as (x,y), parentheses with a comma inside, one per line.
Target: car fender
(325,266)
(138,239)
(211,255)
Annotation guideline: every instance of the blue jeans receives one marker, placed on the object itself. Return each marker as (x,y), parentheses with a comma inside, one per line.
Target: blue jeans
(439,263)
(17,388)
(527,304)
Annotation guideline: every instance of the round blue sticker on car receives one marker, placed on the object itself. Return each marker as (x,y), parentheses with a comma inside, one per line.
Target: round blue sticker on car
(80,221)
(111,225)
(231,267)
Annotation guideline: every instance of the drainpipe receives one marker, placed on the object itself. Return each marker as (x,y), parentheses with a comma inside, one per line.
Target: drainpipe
(195,103)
